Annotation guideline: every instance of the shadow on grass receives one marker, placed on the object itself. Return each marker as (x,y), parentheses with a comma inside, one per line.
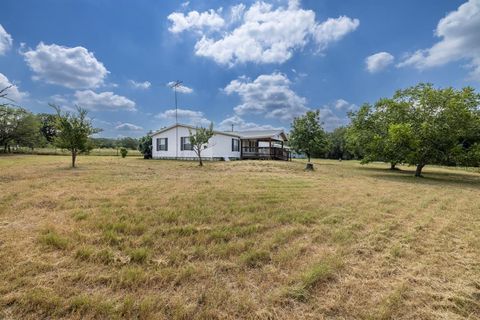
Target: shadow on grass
(436,178)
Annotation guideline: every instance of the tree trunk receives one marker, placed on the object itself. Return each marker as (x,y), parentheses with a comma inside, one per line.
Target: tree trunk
(418,171)
(308,156)
(74,157)
(392,166)
(200,162)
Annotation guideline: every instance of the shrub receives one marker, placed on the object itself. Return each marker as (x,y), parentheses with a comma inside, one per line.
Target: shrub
(123,152)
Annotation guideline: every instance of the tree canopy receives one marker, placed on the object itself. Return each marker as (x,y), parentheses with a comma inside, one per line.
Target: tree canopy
(145,146)
(18,127)
(420,125)
(73,131)
(199,140)
(307,135)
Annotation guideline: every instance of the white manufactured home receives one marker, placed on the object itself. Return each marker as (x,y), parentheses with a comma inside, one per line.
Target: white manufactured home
(173,143)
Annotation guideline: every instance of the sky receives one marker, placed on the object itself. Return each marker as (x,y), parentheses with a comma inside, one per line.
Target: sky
(250,64)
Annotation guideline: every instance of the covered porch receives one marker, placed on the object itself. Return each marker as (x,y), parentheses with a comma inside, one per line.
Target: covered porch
(264,148)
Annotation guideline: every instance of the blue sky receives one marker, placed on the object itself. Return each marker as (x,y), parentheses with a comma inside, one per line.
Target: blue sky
(248,63)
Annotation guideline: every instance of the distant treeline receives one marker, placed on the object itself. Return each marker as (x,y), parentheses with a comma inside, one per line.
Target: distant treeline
(20,128)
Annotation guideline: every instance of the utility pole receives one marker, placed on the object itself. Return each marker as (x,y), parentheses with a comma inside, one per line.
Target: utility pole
(174,85)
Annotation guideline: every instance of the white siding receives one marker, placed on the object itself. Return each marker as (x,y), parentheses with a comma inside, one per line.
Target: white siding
(219,146)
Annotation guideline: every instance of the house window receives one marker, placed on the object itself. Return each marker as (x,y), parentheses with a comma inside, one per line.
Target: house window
(235,145)
(185,144)
(162,144)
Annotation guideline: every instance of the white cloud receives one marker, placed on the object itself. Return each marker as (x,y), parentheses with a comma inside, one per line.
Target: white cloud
(378,61)
(334,30)
(139,85)
(13,93)
(5,41)
(269,95)
(185,116)
(195,20)
(185,4)
(331,120)
(181,88)
(239,124)
(59,99)
(237,12)
(460,40)
(128,127)
(264,33)
(344,105)
(74,68)
(103,101)
(335,114)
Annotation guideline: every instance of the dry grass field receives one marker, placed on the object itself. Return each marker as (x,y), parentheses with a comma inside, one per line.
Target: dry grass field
(132,238)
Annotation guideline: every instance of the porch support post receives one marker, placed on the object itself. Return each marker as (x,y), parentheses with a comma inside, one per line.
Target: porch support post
(270,147)
(241,149)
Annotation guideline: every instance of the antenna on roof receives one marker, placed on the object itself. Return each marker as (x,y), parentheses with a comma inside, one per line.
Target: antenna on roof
(232,127)
(174,85)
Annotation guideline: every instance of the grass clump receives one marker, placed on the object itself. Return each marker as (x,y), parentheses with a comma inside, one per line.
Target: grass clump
(139,255)
(96,306)
(131,277)
(52,239)
(84,253)
(105,256)
(41,300)
(318,273)
(255,258)
(80,215)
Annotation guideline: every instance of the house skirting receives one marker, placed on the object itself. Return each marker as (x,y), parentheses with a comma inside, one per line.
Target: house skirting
(196,158)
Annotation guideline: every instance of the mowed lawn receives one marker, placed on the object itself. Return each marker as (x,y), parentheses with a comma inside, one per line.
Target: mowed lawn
(133,238)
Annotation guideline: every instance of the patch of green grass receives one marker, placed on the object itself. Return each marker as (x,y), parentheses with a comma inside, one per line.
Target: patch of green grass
(111,237)
(105,256)
(50,238)
(131,277)
(84,253)
(255,258)
(316,274)
(139,255)
(42,301)
(80,215)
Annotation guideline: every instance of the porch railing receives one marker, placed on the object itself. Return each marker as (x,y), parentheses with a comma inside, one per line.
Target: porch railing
(265,153)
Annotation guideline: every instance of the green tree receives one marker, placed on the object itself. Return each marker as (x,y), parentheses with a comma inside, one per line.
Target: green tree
(199,140)
(48,126)
(307,135)
(419,125)
(127,142)
(73,132)
(370,133)
(443,126)
(123,152)
(145,146)
(337,144)
(18,127)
